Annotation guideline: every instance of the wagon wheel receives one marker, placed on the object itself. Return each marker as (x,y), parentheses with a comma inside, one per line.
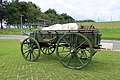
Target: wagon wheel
(74,50)
(30,49)
(48,49)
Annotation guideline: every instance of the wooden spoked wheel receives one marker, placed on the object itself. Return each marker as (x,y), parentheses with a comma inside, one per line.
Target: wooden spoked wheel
(48,49)
(30,49)
(74,50)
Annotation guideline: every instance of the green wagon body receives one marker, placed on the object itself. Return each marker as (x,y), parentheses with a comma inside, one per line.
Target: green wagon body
(74,48)
(93,35)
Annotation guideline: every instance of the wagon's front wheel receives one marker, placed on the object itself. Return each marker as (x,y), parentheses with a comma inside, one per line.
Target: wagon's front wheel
(74,50)
(30,49)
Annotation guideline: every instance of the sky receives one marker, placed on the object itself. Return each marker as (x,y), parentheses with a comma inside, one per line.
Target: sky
(98,10)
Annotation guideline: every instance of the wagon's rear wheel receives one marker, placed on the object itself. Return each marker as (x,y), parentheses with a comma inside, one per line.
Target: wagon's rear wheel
(74,50)
(30,49)
(48,49)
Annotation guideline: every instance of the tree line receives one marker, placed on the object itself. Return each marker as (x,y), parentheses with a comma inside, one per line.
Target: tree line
(11,13)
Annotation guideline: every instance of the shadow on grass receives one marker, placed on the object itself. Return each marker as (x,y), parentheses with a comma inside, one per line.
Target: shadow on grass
(97,63)
(92,66)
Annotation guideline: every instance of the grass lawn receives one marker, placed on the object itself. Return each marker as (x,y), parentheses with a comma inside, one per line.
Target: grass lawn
(110,34)
(16,31)
(105,65)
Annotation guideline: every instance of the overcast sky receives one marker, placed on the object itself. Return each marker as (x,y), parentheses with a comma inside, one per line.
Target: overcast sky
(98,10)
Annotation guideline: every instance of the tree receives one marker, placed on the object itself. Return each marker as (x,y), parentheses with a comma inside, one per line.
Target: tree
(51,14)
(64,18)
(3,11)
(13,16)
(29,11)
(32,13)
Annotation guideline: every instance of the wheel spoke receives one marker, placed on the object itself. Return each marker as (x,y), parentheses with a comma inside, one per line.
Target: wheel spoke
(31,45)
(65,57)
(76,39)
(84,53)
(80,44)
(69,60)
(71,38)
(51,49)
(79,53)
(32,57)
(80,60)
(26,51)
(43,49)
(74,61)
(35,53)
(88,50)
(27,55)
(66,42)
(48,50)
(26,45)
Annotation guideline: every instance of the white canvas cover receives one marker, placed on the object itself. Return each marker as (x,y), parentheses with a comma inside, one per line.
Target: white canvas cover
(69,26)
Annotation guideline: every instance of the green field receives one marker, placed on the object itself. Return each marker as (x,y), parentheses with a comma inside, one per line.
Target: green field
(110,34)
(105,65)
(16,31)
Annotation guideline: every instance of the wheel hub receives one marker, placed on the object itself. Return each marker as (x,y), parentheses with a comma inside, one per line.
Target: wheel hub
(72,50)
(30,50)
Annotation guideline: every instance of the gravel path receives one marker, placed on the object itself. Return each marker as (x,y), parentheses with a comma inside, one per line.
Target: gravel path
(19,37)
(111,44)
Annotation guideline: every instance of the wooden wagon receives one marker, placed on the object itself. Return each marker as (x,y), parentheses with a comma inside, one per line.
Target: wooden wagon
(74,48)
